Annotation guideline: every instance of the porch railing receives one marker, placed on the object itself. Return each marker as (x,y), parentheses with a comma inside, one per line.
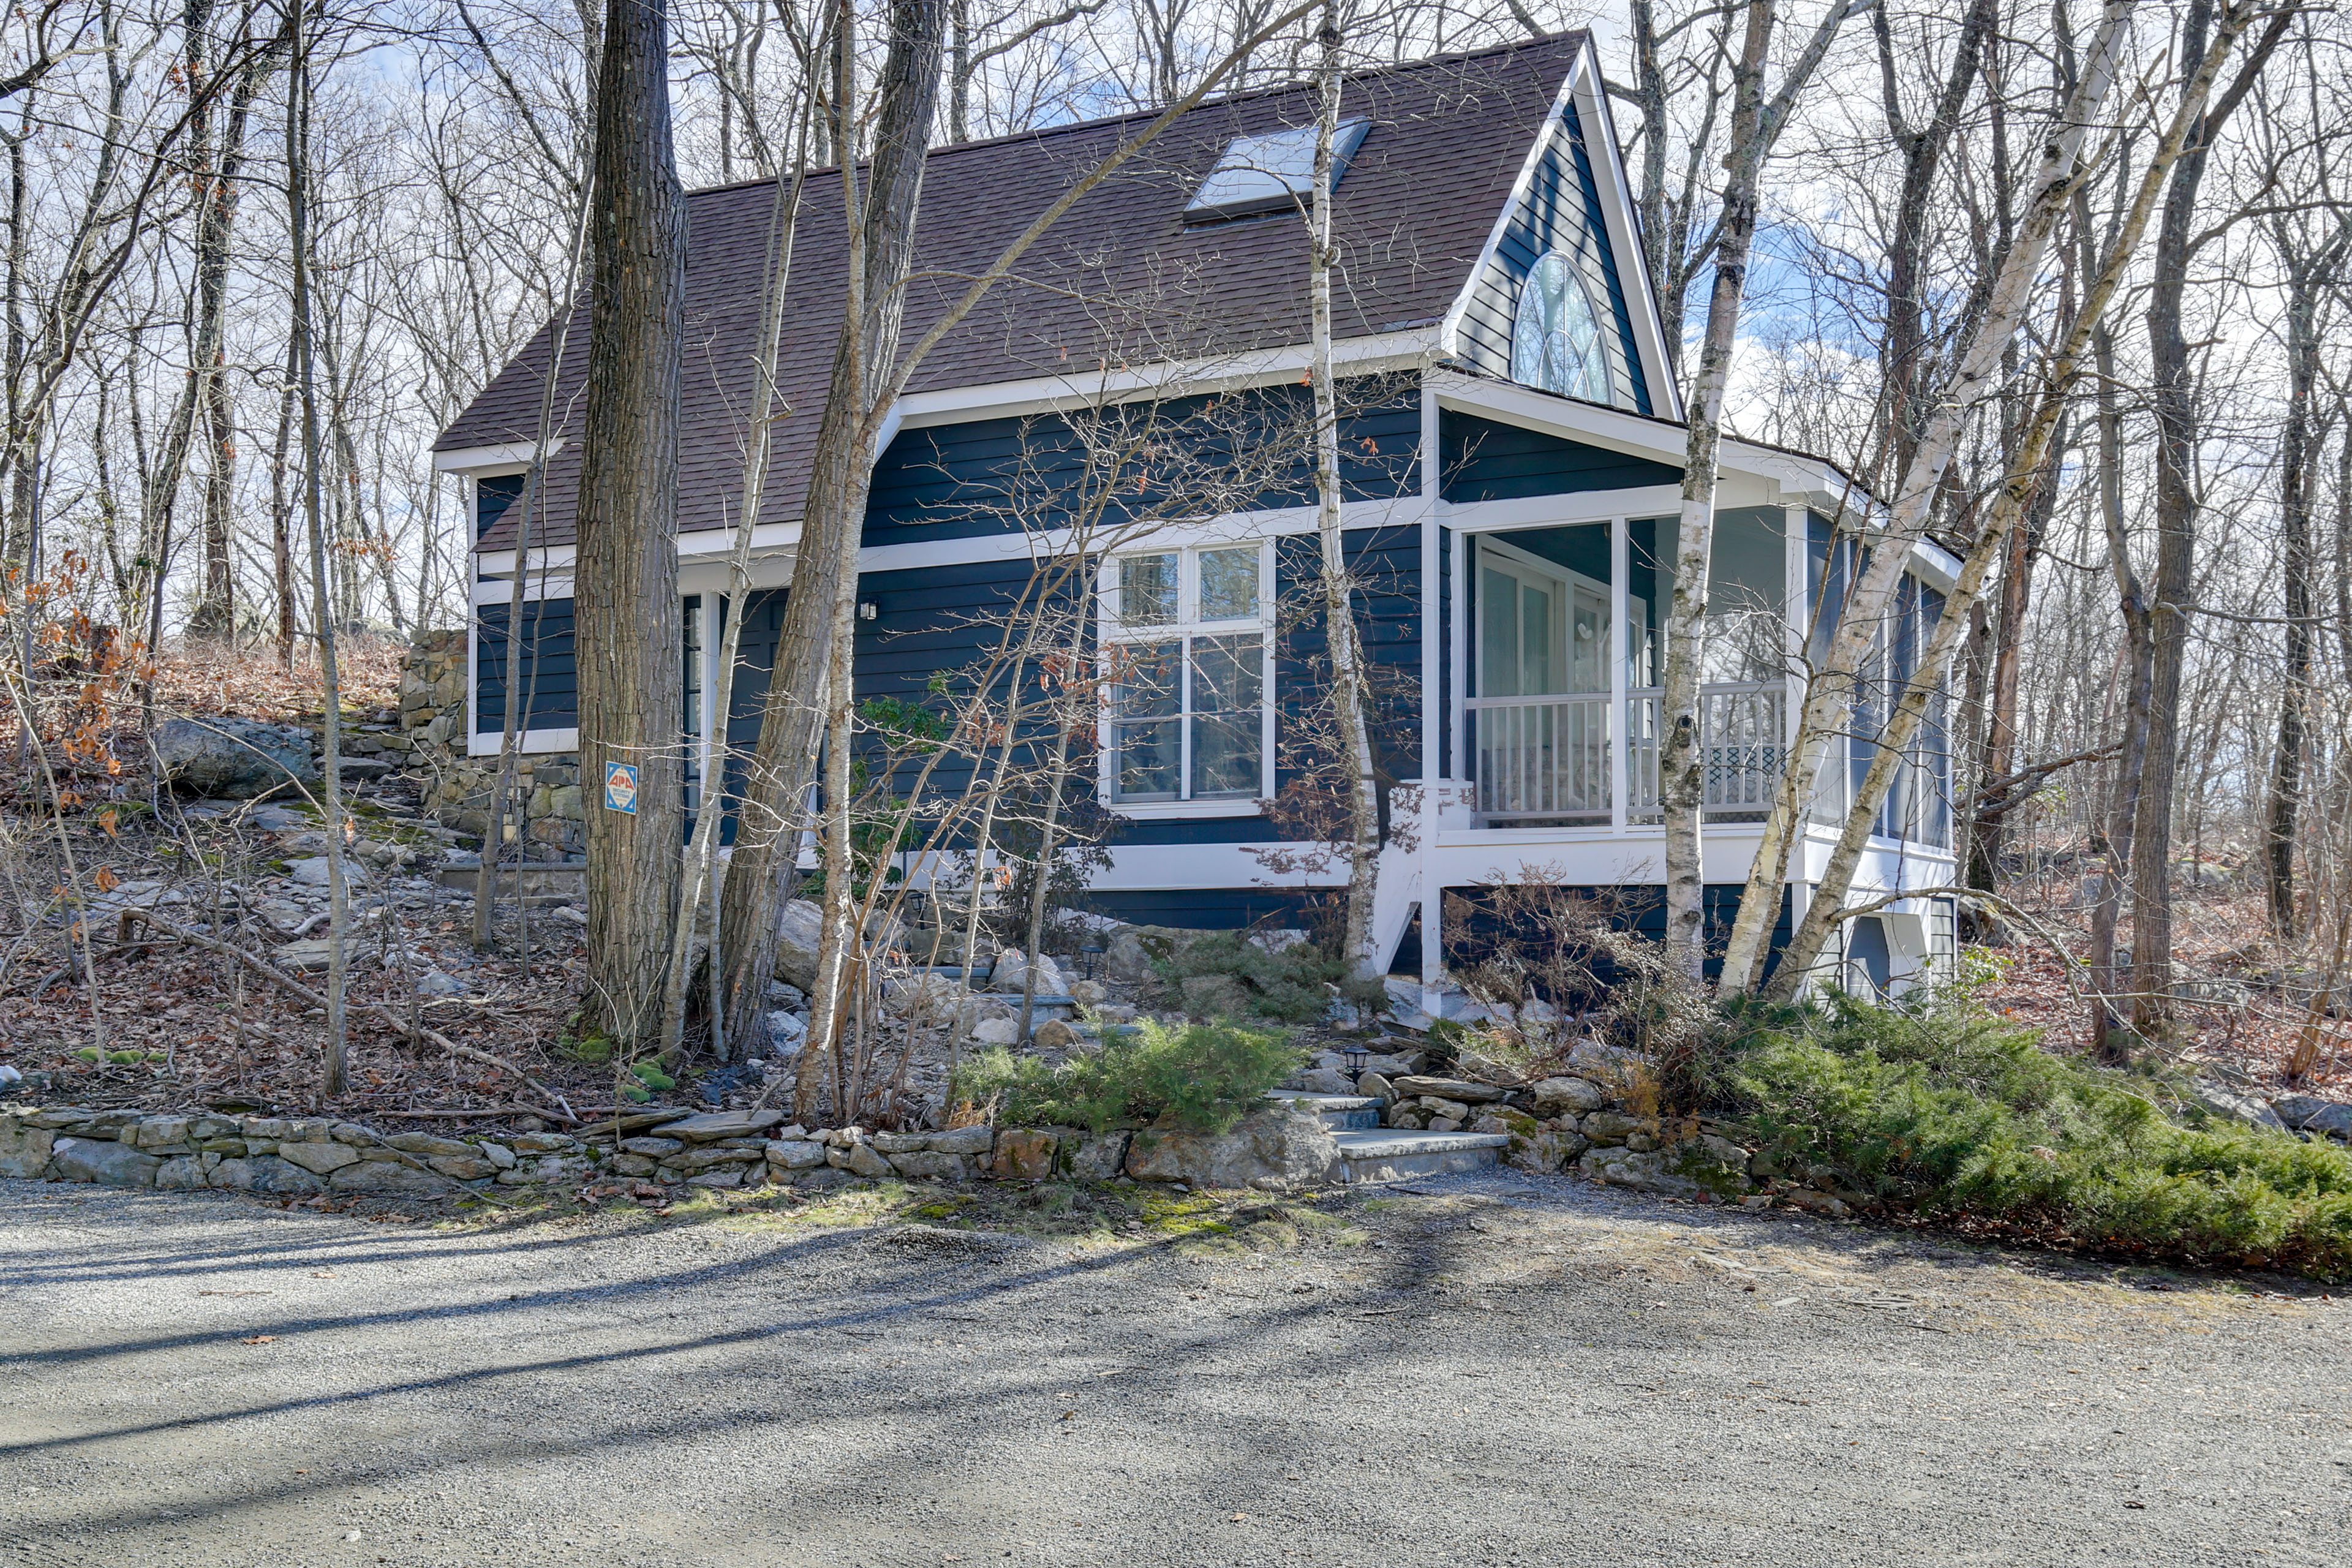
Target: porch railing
(1549,757)
(1743,737)
(1541,757)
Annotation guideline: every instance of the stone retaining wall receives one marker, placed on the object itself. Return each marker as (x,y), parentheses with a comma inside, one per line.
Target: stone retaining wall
(305,1156)
(457,787)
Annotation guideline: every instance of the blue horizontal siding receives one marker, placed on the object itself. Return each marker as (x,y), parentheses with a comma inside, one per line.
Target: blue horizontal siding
(1181,456)
(551,682)
(1483,460)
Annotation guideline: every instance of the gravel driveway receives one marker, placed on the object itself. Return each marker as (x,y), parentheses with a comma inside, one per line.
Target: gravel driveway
(1482,1370)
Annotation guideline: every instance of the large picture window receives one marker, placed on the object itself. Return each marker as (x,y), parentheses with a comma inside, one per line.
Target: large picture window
(1185,635)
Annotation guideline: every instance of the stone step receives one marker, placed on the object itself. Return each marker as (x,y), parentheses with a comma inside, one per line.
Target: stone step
(1395,1155)
(1339,1112)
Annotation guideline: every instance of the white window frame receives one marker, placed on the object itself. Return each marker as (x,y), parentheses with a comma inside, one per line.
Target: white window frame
(1112,630)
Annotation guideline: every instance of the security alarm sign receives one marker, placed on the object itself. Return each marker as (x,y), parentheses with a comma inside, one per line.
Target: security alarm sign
(621,787)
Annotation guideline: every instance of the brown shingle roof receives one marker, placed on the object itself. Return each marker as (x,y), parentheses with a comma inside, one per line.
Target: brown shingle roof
(1120,278)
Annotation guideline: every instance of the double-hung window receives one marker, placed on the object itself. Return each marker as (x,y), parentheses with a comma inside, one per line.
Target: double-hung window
(1185,634)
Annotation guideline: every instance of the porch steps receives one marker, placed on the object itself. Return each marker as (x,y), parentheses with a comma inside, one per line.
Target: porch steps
(1377,1153)
(1396,1155)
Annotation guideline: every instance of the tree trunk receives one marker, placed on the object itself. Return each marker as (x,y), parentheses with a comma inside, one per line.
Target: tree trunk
(1351,706)
(1681,761)
(332,1079)
(1831,693)
(2296,460)
(881,224)
(2024,473)
(625,581)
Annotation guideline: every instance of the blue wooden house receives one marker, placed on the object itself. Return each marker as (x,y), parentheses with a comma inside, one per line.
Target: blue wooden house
(1512,446)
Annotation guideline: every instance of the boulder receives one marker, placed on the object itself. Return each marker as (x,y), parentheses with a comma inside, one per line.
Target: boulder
(1542,1152)
(1128,953)
(319,1159)
(1373,1084)
(963,1140)
(465,1168)
(233,759)
(2308,1113)
(1100,1158)
(430,1143)
(1280,1146)
(1568,1096)
(181,1172)
(800,1154)
(1088,992)
(860,1160)
(2222,1100)
(929,1164)
(265,1173)
(901,1143)
(799,928)
(390,1177)
(996,1032)
(1012,972)
(108,1164)
(1611,1129)
(1448,1088)
(1024,1153)
(24,1151)
(711,1126)
(1054,1035)
(925,999)
(1652,1171)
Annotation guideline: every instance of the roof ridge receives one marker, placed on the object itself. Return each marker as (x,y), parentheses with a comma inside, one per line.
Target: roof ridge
(1039,132)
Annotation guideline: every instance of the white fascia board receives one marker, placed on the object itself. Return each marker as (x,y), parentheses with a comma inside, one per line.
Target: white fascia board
(1046,545)
(529,743)
(498,565)
(718,543)
(481,459)
(1934,565)
(1449,327)
(540,585)
(1167,378)
(1608,161)
(1568,510)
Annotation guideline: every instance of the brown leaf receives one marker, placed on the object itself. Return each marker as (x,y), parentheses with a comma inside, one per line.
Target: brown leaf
(259,1340)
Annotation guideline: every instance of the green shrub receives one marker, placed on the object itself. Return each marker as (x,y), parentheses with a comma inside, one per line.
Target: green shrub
(1955,1112)
(1292,986)
(1202,1077)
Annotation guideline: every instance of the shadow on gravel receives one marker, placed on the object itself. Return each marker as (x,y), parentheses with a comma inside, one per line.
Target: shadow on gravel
(1169,1346)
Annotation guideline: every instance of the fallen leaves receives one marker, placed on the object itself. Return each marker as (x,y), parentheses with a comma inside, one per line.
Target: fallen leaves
(259,1340)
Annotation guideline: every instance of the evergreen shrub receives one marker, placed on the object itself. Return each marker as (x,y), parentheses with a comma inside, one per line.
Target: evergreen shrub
(1199,1077)
(1957,1113)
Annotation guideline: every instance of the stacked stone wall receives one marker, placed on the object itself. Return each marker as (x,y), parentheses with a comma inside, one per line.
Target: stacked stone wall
(455,787)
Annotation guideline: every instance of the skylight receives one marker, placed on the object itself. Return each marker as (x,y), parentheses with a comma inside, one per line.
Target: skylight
(1270,172)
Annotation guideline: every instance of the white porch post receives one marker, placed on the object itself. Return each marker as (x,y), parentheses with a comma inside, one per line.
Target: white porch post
(1432,697)
(1620,649)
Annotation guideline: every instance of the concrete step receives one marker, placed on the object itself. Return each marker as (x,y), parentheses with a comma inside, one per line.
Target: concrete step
(1339,1112)
(1396,1155)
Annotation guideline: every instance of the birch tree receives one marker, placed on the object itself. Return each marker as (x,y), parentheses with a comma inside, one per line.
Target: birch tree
(1756,123)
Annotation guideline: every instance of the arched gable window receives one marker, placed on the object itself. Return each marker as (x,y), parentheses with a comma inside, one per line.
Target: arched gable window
(1556,336)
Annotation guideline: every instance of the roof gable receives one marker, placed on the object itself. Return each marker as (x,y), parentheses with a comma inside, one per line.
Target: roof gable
(1122,281)
(1572,200)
